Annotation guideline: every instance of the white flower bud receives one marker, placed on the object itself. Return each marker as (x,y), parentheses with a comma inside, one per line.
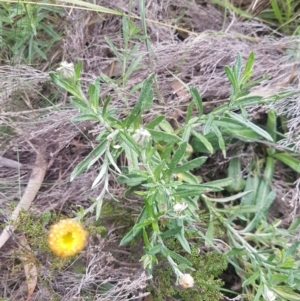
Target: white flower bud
(66,70)
(178,207)
(141,136)
(268,294)
(186,281)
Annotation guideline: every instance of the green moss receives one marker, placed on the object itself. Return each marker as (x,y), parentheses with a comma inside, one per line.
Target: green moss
(34,230)
(207,268)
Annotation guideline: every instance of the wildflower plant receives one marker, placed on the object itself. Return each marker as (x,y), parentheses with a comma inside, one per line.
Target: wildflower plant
(28,30)
(160,171)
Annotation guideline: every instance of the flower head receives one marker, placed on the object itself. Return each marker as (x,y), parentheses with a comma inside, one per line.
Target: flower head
(66,70)
(186,281)
(178,207)
(67,238)
(141,136)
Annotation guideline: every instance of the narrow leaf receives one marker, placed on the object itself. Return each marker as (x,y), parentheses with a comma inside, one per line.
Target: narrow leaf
(178,155)
(190,165)
(90,159)
(250,125)
(161,136)
(288,160)
(197,99)
(144,101)
(204,140)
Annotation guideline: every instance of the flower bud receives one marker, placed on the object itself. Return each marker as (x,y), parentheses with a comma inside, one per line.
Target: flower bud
(186,281)
(66,70)
(178,207)
(141,137)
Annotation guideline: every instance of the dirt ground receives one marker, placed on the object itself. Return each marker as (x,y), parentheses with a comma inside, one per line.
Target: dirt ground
(43,136)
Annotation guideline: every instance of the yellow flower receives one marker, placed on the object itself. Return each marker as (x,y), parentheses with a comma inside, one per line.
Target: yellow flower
(67,238)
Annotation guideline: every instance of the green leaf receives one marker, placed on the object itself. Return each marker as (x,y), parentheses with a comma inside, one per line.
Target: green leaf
(197,99)
(144,101)
(154,250)
(84,117)
(251,279)
(204,140)
(237,67)
(295,224)
(132,179)
(69,87)
(103,172)
(277,11)
(146,239)
(158,171)
(252,184)
(219,183)
(250,125)
(271,126)
(156,121)
(99,204)
(244,134)
(112,161)
(183,193)
(199,147)
(131,156)
(178,155)
(286,293)
(94,94)
(293,248)
(261,211)
(230,76)
(189,112)
(90,159)
(134,231)
(227,199)
(248,68)
(190,165)
(181,238)
(242,102)
(288,160)
(187,190)
(170,233)
(259,292)
(78,69)
(186,135)
(133,67)
(235,251)
(105,105)
(114,49)
(79,104)
(129,141)
(248,100)
(180,259)
(160,136)
(208,124)
(221,141)
(209,235)
(234,171)
(226,123)
(187,177)
(166,126)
